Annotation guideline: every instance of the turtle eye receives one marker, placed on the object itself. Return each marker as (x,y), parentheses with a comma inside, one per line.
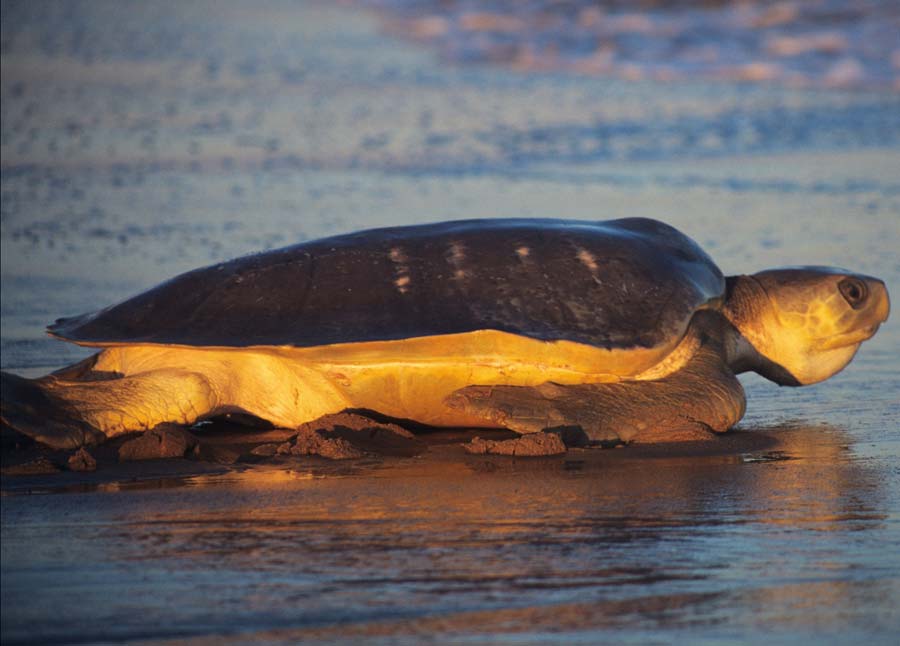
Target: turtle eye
(854,292)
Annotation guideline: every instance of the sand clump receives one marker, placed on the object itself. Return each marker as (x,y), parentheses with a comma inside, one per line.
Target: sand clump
(82,460)
(344,436)
(163,441)
(531,445)
(314,442)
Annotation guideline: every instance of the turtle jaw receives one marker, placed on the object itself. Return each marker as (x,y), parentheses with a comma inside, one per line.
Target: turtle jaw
(854,338)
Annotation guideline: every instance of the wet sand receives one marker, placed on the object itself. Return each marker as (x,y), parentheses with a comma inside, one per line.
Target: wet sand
(780,531)
(136,145)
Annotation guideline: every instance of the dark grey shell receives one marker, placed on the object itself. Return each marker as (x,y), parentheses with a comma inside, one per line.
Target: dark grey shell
(617,284)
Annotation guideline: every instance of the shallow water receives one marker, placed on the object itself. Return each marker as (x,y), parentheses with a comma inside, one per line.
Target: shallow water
(138,144)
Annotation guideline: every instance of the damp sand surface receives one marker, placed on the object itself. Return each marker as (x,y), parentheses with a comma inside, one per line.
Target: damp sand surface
(137,145)
(780,531)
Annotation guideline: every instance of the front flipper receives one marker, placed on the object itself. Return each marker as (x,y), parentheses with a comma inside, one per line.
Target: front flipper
(701,398)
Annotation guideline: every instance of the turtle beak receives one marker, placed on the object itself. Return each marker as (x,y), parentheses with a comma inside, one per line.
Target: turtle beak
(884,301)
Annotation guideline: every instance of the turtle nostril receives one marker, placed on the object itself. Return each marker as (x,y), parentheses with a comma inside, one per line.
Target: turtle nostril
(854,292)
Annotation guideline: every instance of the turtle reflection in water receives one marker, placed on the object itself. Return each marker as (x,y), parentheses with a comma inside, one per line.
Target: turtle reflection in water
(625,329)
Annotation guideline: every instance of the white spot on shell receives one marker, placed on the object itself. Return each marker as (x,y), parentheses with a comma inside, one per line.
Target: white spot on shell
(402,283)
(401,271)
(456,256)
(587,259)
(457,253)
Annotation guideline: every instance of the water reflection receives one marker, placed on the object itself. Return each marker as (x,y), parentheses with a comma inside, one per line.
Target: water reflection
(528,543)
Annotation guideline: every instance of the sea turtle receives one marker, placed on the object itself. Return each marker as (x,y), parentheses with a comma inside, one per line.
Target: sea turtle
(624,329)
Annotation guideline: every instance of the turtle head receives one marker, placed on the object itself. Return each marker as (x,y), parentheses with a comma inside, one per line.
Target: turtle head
(803,324)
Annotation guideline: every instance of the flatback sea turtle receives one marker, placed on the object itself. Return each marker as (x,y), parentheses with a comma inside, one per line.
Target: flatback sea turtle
(625,329)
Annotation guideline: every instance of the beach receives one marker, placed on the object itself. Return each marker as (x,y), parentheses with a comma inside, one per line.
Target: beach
(142,142)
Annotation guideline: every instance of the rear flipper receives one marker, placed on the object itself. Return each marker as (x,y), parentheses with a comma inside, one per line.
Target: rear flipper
(28,408)
(68,414)
(702,398)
